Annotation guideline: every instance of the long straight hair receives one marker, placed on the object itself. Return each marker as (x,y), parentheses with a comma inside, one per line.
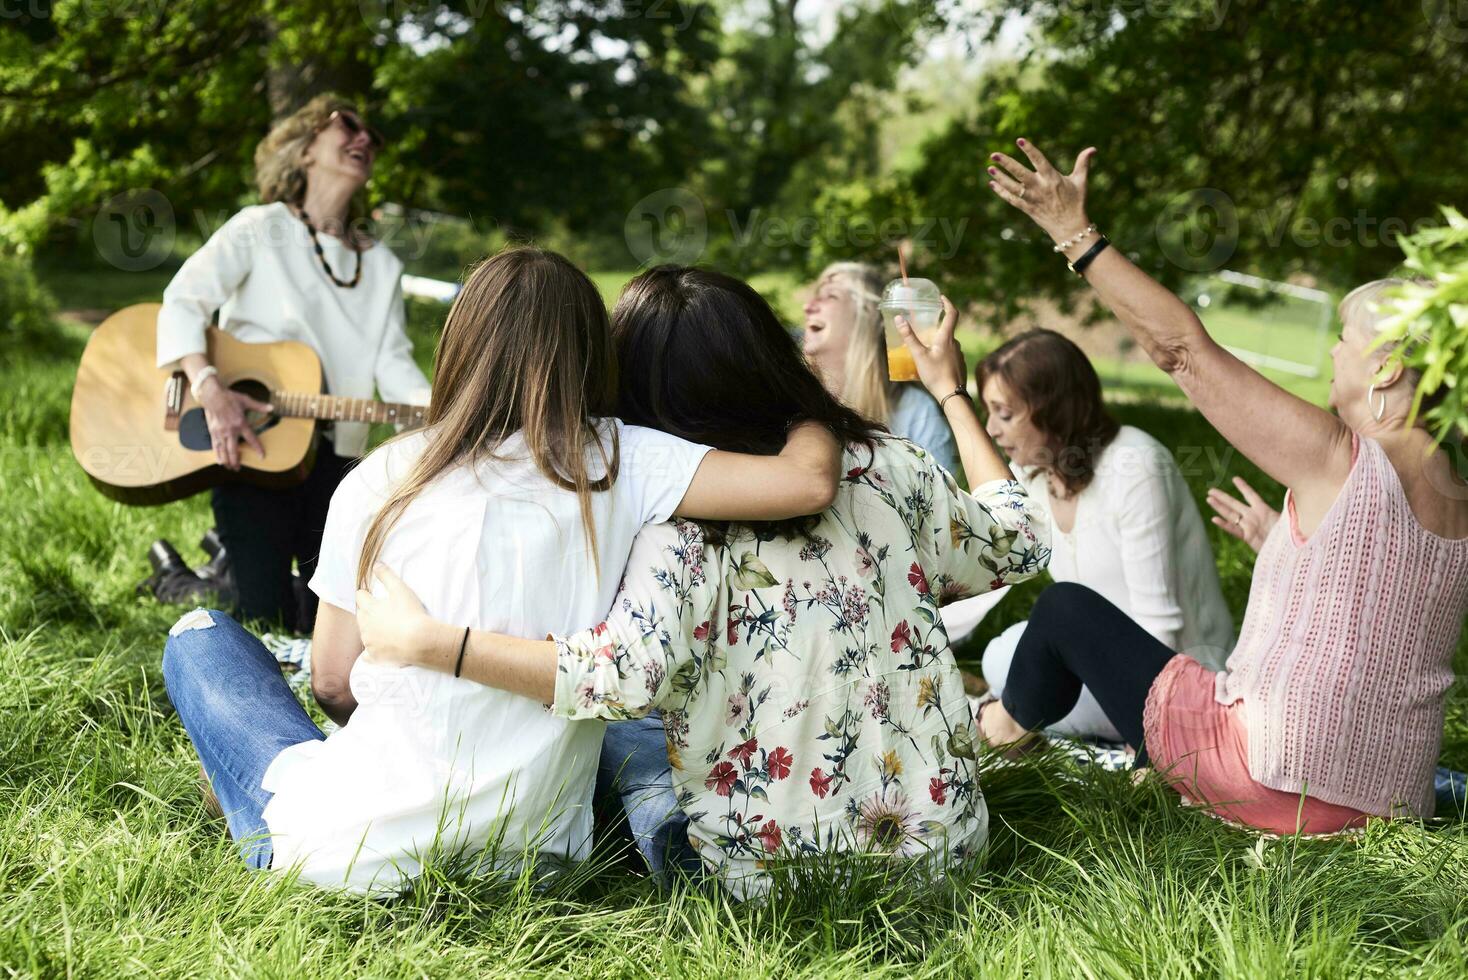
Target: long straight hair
(715,366)
(526,348)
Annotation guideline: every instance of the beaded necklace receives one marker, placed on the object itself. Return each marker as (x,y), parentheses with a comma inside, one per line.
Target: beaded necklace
(316,243)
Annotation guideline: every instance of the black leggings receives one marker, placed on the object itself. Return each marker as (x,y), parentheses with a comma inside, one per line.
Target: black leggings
(1076,638)
(265,529)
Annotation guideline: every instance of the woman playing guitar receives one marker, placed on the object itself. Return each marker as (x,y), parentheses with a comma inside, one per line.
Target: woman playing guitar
(296,267)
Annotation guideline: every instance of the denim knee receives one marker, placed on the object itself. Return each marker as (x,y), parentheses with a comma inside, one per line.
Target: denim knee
(189,640)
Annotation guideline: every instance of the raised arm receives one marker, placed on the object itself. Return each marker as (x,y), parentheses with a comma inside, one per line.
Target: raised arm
(940,366)
(801,480)
(1300,445)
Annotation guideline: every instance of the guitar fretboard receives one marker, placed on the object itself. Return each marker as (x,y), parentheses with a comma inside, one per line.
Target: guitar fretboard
(299,404)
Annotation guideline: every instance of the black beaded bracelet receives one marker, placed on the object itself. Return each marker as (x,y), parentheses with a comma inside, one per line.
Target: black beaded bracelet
(463,645)
(1079,265)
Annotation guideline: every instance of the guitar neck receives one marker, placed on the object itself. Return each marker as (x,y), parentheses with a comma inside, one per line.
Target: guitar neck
(303,405)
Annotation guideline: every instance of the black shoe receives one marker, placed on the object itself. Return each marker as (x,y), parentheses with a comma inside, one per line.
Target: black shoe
(218,571)
(184,588)
(164,558)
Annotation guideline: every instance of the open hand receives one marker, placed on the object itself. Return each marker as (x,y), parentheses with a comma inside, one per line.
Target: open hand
(1053,200)
(396,629)
(940,360)
(1250,519)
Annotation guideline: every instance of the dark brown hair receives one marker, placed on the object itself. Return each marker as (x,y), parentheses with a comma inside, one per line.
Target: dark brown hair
(526,348)
(1057,385)
(706,359)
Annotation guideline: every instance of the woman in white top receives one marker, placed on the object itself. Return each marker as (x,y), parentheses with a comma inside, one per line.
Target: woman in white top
(1122,519)
(515,510)
(845,344)
(298,266)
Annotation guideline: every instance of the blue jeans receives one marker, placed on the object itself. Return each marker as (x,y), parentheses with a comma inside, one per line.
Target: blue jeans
(1452,791)
(240,713)
(634,766)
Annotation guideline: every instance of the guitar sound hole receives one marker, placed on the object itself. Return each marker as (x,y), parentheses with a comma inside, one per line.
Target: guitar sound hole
(193,427)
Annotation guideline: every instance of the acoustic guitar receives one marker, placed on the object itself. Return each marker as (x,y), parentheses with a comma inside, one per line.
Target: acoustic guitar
(142,439)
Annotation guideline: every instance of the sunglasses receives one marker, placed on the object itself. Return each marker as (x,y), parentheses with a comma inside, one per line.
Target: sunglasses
(354,125)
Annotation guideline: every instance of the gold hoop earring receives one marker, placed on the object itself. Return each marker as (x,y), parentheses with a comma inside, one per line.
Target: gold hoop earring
(1377,412)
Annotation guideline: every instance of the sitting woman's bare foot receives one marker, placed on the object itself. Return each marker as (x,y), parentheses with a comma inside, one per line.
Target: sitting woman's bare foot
(973,685)
(1003,734)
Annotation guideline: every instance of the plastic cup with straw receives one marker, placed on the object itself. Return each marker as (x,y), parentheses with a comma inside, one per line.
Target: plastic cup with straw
(921,303)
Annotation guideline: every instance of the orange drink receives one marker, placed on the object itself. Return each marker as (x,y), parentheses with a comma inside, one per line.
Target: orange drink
(900,365)
(921,305)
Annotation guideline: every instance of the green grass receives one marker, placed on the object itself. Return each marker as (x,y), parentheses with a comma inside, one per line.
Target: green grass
(111,867)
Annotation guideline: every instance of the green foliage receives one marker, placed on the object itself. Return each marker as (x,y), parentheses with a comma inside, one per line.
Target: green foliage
(26,307)
(1429,325)
(1275,138)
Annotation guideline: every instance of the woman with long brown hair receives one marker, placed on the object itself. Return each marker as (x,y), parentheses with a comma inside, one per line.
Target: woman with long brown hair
(515,510)
(1122,519)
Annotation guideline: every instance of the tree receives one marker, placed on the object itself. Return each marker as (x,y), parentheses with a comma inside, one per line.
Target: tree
(1283,138)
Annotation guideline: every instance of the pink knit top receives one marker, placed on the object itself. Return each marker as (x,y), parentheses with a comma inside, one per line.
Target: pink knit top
(1346,650)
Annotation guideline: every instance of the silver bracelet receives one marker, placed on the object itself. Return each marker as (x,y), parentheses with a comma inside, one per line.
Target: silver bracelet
(1085,233)
(943,402)
(205,373)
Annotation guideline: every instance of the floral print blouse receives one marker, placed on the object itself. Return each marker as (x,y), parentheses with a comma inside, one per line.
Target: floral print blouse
(809,695)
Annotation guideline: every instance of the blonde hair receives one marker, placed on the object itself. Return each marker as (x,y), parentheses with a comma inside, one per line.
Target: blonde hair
(527,347)
(280,168)
(865,388)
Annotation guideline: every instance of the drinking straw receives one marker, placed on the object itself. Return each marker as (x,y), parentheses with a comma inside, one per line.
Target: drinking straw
(902,262)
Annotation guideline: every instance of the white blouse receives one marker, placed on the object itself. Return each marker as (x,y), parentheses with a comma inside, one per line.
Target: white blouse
(1139,540)
(428,758)
(260,272)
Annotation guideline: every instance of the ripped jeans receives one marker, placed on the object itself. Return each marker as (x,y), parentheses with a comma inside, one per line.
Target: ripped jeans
(239,713)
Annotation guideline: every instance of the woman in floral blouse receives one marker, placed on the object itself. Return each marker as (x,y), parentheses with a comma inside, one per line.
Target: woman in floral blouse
(810,698)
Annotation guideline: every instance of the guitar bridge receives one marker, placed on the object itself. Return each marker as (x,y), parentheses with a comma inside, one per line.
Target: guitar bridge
(173,398)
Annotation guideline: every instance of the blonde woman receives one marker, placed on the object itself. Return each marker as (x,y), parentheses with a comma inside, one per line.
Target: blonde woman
(845,344)
(297,266)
